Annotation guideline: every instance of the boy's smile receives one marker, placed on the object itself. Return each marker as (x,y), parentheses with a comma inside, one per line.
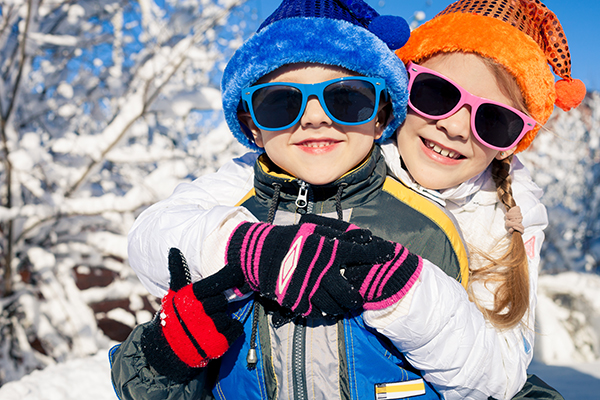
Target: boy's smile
(316,150)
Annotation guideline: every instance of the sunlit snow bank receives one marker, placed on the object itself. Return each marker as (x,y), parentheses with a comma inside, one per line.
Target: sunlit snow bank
(84,378)
(568,318)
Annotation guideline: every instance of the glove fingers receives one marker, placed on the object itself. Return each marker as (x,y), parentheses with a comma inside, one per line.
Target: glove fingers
(382,284)
(335,228)
(332,223)
(325,304)
(229,327)
(216,307)
(375,252)
(178,270)
(343,292)
(336,296)
(356,274)
(228,277)
(360,236)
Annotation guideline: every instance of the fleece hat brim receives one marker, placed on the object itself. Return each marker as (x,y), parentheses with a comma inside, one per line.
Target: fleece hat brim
(312,40)
(518,53)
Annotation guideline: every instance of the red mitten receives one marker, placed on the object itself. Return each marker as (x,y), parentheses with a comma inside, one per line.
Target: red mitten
(193,325)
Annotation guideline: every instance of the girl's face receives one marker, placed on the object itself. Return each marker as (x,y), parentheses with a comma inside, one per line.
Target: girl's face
(316,149)
(440,154)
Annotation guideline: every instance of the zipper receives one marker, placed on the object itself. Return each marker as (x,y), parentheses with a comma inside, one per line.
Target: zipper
(299,362)
(299,335)
(302,199)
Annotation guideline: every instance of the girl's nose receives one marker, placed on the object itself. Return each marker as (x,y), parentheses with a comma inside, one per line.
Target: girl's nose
(458,125)
(314,115)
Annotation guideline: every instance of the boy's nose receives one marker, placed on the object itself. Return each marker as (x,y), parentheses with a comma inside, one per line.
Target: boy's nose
(458,125)
(314,115)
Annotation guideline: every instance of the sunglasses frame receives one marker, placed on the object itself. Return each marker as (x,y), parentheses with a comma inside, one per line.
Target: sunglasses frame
(312,89)
(475,102)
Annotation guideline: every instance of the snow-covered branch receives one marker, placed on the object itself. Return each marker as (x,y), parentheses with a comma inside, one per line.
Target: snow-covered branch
(104,106)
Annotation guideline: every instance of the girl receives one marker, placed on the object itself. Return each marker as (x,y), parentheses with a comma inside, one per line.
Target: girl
(450,152)
(315,89)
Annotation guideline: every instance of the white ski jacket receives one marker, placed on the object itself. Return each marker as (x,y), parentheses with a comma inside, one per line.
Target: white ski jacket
(439,330)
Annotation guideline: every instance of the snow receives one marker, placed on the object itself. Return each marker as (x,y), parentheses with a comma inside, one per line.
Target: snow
(89,378)
(85,378)
(97,135)
(573,381)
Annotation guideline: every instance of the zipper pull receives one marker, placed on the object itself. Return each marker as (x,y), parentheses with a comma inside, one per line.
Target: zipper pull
(302,199)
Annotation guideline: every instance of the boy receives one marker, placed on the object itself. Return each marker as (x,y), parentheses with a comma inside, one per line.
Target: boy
(314,88)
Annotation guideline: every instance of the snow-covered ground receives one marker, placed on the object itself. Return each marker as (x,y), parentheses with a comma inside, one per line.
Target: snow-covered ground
(566,346)
(89,379)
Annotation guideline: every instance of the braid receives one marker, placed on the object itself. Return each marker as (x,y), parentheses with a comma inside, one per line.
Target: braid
(511,271)
(503,180)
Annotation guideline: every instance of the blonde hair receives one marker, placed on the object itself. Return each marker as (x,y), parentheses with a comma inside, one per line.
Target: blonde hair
(510,272)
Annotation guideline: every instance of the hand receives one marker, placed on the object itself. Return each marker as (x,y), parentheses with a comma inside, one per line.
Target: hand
(381,285)
(381,279)
(193,325)
(302,266)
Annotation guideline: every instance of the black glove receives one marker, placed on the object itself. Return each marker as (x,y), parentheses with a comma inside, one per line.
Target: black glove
(193,325)
(301,266)
(381,280)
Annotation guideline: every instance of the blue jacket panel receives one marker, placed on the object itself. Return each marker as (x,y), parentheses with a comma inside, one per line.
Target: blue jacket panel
(367,364)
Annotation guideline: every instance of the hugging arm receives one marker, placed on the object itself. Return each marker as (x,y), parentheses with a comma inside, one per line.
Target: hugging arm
(443,334)
(198,223)
(197,218)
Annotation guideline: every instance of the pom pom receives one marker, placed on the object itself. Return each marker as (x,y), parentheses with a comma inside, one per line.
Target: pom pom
(392,30)
(361,10)
(569,94)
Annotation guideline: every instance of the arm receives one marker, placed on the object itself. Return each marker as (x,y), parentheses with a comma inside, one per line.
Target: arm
(133,378)
(197,216)
(442,333)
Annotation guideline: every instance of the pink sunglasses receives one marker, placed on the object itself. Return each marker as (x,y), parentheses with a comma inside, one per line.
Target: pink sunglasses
(436,97)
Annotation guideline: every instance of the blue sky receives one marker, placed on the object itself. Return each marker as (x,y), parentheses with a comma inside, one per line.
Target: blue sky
(580,20)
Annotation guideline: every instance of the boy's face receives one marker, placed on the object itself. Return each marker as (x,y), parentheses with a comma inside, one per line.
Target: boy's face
(316,149)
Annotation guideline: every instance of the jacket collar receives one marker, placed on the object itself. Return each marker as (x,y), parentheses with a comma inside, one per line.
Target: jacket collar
(357,185)
(457,196)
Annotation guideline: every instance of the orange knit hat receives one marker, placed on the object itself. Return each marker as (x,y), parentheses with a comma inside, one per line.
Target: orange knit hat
(524,36)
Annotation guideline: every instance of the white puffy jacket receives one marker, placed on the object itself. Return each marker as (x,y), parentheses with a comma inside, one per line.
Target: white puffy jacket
(439,330)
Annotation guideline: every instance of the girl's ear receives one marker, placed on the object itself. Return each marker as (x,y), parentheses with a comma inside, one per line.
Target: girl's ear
(246,119)
(506,153)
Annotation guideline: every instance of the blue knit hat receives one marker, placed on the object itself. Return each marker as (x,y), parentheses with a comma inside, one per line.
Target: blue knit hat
(344,33)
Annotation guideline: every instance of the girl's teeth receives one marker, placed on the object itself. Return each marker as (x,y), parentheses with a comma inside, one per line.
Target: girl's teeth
(444,152)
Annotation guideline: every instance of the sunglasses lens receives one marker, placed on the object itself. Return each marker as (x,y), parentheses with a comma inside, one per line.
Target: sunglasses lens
(350,101)
(433,95)
(497,125)
(276,106)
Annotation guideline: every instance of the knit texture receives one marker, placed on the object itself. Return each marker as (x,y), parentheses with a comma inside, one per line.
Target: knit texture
(192,327)
(383,285)
(497,40)
(323,266)
(297,266)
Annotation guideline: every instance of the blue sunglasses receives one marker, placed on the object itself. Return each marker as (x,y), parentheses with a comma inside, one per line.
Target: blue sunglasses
(350,100)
